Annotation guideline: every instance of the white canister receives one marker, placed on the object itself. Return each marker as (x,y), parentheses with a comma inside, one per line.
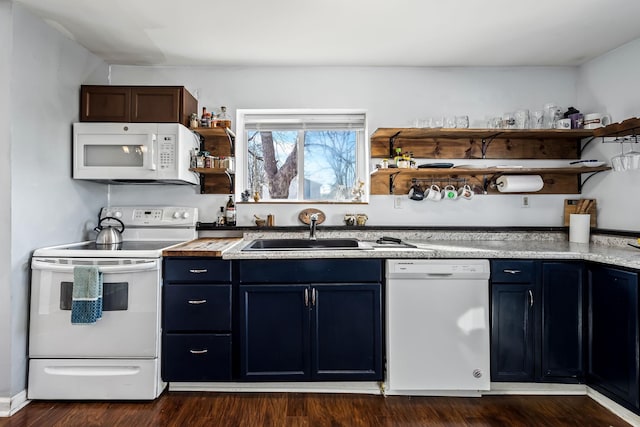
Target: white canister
(579,228)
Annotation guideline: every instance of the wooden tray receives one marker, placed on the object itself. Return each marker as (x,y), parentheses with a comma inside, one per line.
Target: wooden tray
(570,207)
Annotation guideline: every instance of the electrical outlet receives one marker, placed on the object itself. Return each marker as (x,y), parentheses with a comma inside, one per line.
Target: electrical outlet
(525,202)
(398,202)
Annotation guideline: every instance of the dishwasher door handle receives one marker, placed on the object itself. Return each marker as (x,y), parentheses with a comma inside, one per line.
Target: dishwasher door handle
(439,274)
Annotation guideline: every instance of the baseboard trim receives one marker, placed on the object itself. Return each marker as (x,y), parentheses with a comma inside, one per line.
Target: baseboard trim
(536,388)
(612,406)
(11,405)
(297,387)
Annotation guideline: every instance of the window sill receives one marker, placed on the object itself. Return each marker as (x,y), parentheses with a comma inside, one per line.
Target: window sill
(301,202)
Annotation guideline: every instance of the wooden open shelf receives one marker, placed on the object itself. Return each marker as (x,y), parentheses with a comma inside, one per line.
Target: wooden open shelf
(219,144)
(627,127)
(562,180)
(479,143)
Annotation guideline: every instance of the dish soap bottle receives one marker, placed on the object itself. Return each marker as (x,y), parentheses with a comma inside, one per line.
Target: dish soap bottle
(231,212)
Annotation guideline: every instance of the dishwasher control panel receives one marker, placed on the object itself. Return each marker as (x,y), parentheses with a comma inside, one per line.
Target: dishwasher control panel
(446,268)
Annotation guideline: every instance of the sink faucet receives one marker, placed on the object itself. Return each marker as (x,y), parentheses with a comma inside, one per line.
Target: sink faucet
(312,226)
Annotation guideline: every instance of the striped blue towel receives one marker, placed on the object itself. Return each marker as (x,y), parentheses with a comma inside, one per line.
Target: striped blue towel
(86,300)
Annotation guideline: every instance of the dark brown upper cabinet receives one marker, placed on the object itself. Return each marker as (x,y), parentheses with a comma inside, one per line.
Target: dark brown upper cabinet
(136,104)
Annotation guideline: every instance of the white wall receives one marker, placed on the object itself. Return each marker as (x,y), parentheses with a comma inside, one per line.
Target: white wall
(393,96)
(46,206)
(6,37)
(609,84)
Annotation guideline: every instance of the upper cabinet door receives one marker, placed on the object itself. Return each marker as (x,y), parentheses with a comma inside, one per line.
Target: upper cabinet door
(155,105)
(105,104)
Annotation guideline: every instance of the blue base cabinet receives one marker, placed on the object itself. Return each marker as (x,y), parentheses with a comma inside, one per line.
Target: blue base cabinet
(319,328)
(613,342)
(514,292)
(197,320)
(537,325)
(563,322)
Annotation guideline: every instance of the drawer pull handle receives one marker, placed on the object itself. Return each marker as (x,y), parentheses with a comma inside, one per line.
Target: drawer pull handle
(512,271)
(199,351)
(198,271)
(197,301)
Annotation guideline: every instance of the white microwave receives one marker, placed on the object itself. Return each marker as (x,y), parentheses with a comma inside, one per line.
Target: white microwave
(134,152)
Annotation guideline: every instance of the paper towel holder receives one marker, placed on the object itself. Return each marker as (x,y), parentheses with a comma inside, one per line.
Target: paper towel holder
(492,182)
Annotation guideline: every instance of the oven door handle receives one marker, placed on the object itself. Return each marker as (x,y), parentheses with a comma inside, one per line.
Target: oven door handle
(141,266)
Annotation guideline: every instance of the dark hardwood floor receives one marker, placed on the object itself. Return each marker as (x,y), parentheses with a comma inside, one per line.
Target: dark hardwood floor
(294,409)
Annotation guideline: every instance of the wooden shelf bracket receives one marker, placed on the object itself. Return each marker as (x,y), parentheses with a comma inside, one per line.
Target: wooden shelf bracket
(392,178)
(486,142)
(582,182)
(392,141)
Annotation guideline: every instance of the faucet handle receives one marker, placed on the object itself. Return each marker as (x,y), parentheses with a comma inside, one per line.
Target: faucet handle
(313,217)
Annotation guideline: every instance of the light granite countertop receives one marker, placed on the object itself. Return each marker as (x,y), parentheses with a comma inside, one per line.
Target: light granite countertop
(603,249)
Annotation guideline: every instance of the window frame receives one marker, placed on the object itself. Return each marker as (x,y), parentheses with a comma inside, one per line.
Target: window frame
(363,156)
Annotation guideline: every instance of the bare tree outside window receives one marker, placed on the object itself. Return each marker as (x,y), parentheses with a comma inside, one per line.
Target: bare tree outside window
(328,169)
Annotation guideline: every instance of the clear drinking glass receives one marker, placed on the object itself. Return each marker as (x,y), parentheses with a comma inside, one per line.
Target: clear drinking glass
(462,122)
(522,119)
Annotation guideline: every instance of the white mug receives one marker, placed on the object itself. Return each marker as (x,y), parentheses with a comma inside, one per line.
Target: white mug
(449,193)
(465,192)
(596,120)
(563,124)
(433,194)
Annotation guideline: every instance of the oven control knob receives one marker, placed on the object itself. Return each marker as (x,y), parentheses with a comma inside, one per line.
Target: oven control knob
(185,215)
(176,215)
(117,214)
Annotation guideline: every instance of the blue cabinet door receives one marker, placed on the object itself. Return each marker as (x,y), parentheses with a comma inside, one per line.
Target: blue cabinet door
(562,322)
(346,336)
(513,331)
(613,334)
(274,327)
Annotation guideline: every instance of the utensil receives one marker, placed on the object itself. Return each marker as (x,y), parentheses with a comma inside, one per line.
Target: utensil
(109,235)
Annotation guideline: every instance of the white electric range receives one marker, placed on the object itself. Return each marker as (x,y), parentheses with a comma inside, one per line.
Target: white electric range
(117,357)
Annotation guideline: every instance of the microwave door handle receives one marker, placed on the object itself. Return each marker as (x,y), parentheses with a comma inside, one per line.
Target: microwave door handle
(147,265)
(152,148)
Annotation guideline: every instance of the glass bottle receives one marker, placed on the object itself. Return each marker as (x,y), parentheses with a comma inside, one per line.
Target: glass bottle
(205,120)
(222,120)
(221,216)
(231,212)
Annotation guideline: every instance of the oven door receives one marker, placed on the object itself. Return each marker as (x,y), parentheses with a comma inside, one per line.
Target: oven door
(130,323)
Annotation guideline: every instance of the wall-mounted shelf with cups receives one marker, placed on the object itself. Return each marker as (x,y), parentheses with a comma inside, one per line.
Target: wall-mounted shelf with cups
(628,127)
(220,142)
(502,144)
(445,143)
(624,132)
(565,180)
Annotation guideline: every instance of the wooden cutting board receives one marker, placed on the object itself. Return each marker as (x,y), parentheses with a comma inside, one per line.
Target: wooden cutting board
(571,205)
(212,247)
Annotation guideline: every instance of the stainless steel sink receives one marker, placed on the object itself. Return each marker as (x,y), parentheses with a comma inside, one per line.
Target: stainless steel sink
(305,244)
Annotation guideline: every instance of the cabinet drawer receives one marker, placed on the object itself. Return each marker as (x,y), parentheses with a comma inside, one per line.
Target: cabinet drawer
(513,271)
(197,270)
(197,308)
(196,357)
(310,271)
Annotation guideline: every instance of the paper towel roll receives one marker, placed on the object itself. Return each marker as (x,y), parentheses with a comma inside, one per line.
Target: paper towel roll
(519,183)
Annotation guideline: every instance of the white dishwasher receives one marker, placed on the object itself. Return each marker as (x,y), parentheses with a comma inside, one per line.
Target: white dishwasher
(437,320)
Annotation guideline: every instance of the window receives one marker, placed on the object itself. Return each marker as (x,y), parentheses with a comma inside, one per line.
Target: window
(302,155)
